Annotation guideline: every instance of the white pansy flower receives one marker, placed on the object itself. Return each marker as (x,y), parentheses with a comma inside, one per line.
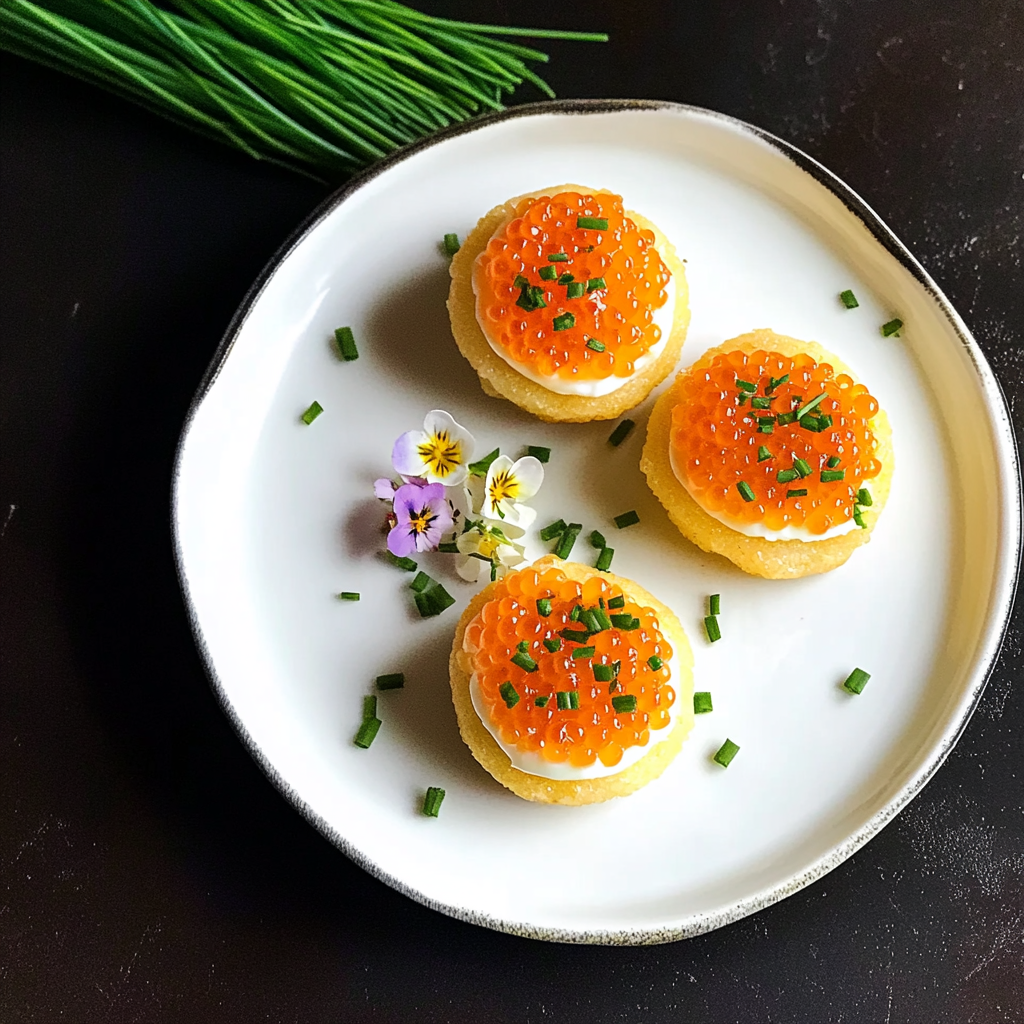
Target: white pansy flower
(439,453)
(487,553)
(508,484)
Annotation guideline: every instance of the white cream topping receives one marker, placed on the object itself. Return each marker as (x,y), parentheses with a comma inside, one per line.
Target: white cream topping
(759,529)
(533,764)
(663,317)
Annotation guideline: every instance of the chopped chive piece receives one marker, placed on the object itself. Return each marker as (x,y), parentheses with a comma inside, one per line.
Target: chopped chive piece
(558,257)
(774,382)
(531,296)
(391,681)
(562,699)
(864,497)
(543,605)
(858,518)
(508,694)
(597,540)
(624,704)
(563,322)
(540,453)
(432,801)
(420,582)
(604,560)
(712,628)
(426,609)
(574,700)
(583,652)
(745,385)
(894,326)
(604,673)
(602,619)
(553,644)
(824,421)
(617,602)
(569,535)
(857,680)
(621,432)
(575,290)
(369,706)
(623,621)
(367,732)
(434,600)
(555,529)
(785,417)
(757,402)
(590,620)
(629,518)
(594,345)
(763,453)
(523,646)
(715,604)
(784,476)
(346,342)
(594,283)
(566,278)
(524,661)
(726,753)
(449,547)
(312,412)
(743,398)
(848,299)
(802,466)
(766,426)
(830,475)
(401,563)
(702,702)
(655,662)
(541,702)
(451,244)
(548,273)
(520,281)
(616,667)
(480,467)
(796,492)
(813,423)
(348,595)
(812,404)
(613,686)
(592,223)
(833,461)
(577,611)
(494,571)
(746,492)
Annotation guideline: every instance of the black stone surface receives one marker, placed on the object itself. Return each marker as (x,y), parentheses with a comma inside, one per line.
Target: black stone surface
(148,871)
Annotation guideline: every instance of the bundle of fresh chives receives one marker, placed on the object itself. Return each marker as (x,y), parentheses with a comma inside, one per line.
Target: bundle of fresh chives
(321,86)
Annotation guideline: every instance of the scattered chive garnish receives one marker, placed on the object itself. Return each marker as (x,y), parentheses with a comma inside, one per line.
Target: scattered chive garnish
(592,223)
(548,273)
(449,547)
(757,402)
(766,426)
(604,673)
(745,385)
(746,493)
(401,563)
(432,801)
(523,646)
(312,412)
(623,621)
(629,518)
(594,345)
(726,753)
(712,628)
(796,492)
(715,604)
(524,661)
(553,644)
(763,453)
(348,595)
(604,560)
(864,497)
(538,452)
(621,432)
(894,326)
(566,278)
(543,605)
(858,517)
(531,296)
(590,620)
(574,700)
(575,290)
(434,600)
(774,382)
(601,617)
(367,732)
(624,704)
(346,342)
(785,417)
(508,694)
(555,529)
(830,475)
(480,467)
(848,299)
(802,466)
(558,257)
(833,461)
(577,611)
(391,681)
(856,681)
(569,535)
(812,404)
(451,244)
(583,652)
(520,281)
(617,602)
(702,702)
(597,540)
(562,699)
(563,322)
(420,582)
(594,283)
(541,702)
(655,662)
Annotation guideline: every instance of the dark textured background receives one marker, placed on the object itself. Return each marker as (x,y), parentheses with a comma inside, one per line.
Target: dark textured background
(148,871)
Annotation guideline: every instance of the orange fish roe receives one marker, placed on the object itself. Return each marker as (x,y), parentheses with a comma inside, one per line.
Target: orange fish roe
(718,433)
(511,625)
(604,292)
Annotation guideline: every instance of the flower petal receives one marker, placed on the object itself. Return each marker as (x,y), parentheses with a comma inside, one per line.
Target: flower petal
(447,449)
(474,487)
(401,542)
(471,569)
(405,455)
(529,474)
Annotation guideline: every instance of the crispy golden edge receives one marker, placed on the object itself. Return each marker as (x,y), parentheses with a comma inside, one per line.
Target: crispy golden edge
(501,381)
(778,559)
(588,791)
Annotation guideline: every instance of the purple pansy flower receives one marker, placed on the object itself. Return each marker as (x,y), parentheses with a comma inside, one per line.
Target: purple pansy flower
(423,517)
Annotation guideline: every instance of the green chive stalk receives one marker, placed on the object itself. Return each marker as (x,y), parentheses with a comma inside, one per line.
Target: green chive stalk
(324,87)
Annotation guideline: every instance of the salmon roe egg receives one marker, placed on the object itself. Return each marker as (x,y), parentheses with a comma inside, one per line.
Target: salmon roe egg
(552,704)
(569,287)
(738,421)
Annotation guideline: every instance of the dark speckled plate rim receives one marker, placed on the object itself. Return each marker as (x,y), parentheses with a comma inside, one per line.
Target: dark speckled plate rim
(1005,443)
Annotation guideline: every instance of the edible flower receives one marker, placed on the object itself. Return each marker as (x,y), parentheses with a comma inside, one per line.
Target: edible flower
(422,517)
(439,453)
(487,552)
(509,483)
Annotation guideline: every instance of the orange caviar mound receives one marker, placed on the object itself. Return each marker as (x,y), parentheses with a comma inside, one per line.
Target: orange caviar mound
(521,696)
(747,418)
(595,335)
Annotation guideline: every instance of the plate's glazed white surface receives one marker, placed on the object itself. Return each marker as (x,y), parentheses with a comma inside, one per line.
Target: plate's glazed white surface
(273,517)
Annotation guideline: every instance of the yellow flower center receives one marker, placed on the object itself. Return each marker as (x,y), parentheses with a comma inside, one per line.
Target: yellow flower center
(504,487)
(441,454)
(488,546)
(420,522)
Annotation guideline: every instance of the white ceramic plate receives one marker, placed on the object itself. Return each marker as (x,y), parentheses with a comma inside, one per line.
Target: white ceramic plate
(272,518)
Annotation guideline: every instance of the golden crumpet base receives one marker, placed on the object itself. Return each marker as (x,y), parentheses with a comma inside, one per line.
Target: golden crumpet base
(585,791)
(500,380)
(772,559)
